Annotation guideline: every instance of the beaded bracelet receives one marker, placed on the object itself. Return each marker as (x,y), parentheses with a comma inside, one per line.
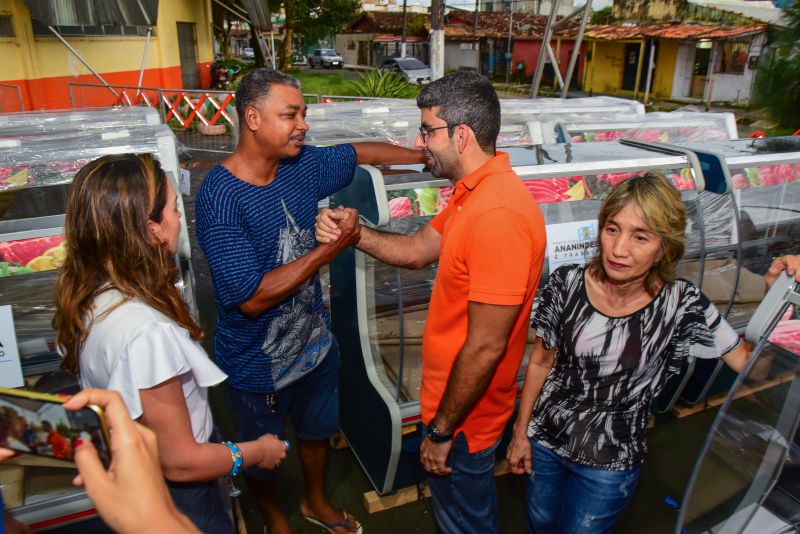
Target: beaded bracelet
(236,455)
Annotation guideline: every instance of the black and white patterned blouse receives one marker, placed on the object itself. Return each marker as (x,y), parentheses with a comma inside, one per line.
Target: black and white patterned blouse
(593,408)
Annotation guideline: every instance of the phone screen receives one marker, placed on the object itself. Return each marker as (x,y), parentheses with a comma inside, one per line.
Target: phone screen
(37,425)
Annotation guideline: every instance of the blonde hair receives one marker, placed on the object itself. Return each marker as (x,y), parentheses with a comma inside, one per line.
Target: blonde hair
(109,246)
(663,211)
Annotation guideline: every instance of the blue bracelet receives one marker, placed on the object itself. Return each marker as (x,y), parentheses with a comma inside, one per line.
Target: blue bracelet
(237,456)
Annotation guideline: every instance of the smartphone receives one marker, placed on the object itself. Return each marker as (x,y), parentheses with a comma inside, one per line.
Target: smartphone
(37,423)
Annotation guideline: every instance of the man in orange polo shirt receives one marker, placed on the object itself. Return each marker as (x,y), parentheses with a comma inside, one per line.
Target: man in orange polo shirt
(490,242)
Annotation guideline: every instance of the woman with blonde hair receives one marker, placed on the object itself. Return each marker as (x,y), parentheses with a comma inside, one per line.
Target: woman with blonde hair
(607,335)
(122,325)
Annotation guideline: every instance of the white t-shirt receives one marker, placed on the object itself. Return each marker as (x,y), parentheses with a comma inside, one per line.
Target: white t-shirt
(136,347)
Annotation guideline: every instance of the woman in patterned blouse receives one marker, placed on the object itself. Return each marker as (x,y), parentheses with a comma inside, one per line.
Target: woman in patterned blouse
(607,335)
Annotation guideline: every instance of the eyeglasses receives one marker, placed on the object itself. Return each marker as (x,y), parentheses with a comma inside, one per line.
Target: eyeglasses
(425,132)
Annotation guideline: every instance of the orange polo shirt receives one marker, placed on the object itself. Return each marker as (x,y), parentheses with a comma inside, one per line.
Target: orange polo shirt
(492,248)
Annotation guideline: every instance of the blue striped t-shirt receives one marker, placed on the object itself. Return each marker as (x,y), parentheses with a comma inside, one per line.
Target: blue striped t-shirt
(247,230)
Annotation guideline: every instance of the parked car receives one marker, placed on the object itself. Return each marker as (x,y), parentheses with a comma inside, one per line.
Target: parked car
(410,68)
(247,53)
(326,58)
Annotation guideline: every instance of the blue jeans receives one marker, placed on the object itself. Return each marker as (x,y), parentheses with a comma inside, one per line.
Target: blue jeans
(465,501)
(566,498)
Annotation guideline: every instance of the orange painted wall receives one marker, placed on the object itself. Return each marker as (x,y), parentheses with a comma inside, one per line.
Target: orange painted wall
(53,92)
(42,67)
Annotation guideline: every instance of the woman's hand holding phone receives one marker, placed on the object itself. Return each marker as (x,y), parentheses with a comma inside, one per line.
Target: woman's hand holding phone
(273,451)
(132,495)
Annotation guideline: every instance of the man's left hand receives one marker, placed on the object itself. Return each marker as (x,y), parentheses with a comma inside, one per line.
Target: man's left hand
(434,456)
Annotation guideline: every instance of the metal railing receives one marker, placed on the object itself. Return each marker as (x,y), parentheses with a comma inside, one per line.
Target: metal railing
(191,113)
(11,98)
(202,119)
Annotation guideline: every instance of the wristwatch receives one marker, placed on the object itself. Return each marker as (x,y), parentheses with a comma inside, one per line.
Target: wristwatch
(436,435)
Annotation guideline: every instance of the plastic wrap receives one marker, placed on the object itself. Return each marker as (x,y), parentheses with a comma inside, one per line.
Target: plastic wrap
(397,120)
(593,104)
(674,127)
(50,160)
(54,158)
(35,173)
(36,123)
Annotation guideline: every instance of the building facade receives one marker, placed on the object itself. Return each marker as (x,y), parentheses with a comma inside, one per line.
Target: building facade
(179,52)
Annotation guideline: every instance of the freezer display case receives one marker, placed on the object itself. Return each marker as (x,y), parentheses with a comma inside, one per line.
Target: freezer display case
(760,182)
(673,127)
(50,122)
(37,172)
(397,120)
(379,311)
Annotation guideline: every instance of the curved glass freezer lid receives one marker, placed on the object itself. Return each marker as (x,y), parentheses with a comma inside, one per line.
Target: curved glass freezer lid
(37,123)
(397,120)
(661,127)
(554,160)
(55,158)
(746,477)
(764,177)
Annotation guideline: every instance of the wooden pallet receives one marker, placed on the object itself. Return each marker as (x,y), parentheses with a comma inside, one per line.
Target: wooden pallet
(717,400)
(376,503)
(338,442)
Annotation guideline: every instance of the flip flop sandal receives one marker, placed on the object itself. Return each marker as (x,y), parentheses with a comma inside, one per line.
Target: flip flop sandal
(349,522)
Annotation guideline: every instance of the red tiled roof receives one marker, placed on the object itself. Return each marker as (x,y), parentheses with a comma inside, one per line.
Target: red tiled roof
(495,24)
(458,24)
(378,22)
(692,32)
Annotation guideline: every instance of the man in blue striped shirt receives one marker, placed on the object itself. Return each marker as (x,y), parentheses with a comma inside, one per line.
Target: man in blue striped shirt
(255,224)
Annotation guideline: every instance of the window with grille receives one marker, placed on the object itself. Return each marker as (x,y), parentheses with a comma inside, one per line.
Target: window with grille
(41,30)
(734,57)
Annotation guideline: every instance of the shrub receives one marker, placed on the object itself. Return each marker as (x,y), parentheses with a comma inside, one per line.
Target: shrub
(380,84)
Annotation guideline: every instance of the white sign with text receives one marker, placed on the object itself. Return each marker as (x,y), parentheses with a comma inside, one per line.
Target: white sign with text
(10,367)
(572,242)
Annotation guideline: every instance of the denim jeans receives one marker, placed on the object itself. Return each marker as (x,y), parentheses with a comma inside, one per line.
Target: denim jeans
(465,501)
(568,498)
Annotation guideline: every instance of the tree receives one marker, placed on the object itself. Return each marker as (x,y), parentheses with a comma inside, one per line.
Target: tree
(221,22)
(778,80)
(602,16)
(258,57)
(313,19)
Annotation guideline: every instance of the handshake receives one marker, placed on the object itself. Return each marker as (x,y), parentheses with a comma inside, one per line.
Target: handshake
(338,228)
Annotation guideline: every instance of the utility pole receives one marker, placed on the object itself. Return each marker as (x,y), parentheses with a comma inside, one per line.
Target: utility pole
(548,34)
(403,41)
(508,46)
(437,39)
(475,17)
